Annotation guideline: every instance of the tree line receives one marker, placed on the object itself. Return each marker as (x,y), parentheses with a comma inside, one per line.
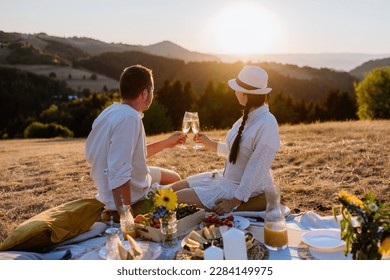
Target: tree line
(29,102)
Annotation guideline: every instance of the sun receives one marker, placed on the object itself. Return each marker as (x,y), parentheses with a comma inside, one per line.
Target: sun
(245,28)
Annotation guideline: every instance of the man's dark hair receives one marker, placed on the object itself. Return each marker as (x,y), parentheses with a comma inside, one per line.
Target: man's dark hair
(134,80)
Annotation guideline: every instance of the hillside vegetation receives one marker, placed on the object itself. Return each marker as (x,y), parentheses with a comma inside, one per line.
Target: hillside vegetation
(314,163)
(368,66)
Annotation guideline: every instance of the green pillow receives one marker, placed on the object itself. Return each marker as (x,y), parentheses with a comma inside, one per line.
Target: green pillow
(53,226)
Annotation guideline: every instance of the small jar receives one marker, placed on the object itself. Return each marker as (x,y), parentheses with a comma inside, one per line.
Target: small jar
(127,222)
(112,250)
(168,228)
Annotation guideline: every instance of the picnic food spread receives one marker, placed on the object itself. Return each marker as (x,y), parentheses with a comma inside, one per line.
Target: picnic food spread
(196,242)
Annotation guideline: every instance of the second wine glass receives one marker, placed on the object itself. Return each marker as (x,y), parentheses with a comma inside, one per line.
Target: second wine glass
(195,126)
(187,119)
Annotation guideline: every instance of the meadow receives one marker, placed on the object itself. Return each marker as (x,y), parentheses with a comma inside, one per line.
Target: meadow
(314,163)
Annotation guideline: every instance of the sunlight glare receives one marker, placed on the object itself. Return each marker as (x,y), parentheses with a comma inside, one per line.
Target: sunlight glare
(245,29)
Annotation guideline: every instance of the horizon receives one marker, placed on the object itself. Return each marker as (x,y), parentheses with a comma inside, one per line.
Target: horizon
(222,54)
(213,27)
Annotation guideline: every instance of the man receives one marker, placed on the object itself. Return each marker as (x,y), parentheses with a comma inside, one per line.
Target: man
(116,146)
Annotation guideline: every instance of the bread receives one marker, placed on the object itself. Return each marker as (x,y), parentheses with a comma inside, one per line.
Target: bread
(135,249)
(192,242)
(215,232)
(207,233)
(197,237)
(123,252)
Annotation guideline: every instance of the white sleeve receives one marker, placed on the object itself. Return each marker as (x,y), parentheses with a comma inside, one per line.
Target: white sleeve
(257,176)
(123,141)
(222,150)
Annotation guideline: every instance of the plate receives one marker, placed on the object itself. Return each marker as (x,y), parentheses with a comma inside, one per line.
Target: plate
(150,250)
(323,239)
(239,222)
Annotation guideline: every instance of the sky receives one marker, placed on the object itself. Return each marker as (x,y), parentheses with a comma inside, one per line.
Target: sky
(212,26)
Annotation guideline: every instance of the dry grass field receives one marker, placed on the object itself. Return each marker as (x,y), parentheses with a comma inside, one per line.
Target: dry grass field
(314,163)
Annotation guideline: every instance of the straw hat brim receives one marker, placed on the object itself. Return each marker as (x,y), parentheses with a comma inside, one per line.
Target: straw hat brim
(233,84)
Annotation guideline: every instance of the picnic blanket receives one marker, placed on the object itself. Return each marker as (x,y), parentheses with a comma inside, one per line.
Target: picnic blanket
(80,246)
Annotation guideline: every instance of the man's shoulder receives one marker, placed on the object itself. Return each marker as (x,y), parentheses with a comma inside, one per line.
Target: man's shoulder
(122,111)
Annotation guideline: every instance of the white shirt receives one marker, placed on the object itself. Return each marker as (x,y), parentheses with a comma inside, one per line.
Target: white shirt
(258,146)
(116,151)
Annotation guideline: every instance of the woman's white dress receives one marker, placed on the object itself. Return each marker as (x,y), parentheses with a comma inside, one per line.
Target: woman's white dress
(251,174)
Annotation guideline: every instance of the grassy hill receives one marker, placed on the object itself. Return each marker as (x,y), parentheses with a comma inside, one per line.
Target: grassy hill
(314,163)
(76,47)
(366,67)
(76,79)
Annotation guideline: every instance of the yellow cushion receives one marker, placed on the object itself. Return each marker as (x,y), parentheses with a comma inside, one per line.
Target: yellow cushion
(53,226)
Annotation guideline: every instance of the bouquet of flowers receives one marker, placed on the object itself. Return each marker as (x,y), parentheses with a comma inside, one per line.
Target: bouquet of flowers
(365,226)
(160,204)
(165,203)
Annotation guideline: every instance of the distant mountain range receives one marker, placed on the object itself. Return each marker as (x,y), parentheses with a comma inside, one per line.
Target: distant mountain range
(337,61)
(93,47)
(75,60)
(90,47)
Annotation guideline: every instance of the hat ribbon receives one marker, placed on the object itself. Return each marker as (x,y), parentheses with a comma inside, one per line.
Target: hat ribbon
(244,85)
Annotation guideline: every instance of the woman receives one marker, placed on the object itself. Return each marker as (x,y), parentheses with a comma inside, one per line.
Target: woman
(250,149)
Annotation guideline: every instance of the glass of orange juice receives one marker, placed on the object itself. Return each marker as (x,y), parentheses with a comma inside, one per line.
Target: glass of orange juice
(275,229)
(275,236)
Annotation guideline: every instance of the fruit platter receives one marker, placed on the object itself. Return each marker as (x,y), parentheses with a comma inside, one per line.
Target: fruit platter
(183,210)
(226,220)
(188,217)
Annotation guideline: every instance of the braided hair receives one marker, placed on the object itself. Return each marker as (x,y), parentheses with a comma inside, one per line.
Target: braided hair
(253,101)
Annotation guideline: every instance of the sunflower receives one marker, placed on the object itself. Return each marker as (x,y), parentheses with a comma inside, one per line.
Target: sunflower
(166,198)
(349,198)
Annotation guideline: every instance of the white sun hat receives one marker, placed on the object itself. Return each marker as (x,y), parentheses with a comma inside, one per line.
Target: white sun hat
(252,80)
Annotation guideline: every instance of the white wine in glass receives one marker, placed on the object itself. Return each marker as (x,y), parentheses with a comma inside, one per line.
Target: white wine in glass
(187,119)
(195,126)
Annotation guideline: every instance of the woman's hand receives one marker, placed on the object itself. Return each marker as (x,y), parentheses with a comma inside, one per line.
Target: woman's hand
(202,138)
(223,206)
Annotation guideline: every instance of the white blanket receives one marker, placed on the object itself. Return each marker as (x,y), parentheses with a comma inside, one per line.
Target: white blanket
(94,239)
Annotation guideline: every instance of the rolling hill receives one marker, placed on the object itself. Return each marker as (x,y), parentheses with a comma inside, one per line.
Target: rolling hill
(82,57)
(366,67)
(84,47)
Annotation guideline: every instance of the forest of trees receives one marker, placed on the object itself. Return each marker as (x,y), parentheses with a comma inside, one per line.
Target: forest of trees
(32,101)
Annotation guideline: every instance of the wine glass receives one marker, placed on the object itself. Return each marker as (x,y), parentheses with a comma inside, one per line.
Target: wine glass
(195,126)
(187,119)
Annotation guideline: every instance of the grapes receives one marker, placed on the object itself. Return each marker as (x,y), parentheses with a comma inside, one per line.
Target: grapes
(185,210)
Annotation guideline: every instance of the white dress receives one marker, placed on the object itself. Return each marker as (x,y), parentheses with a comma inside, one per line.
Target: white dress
(251,174)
